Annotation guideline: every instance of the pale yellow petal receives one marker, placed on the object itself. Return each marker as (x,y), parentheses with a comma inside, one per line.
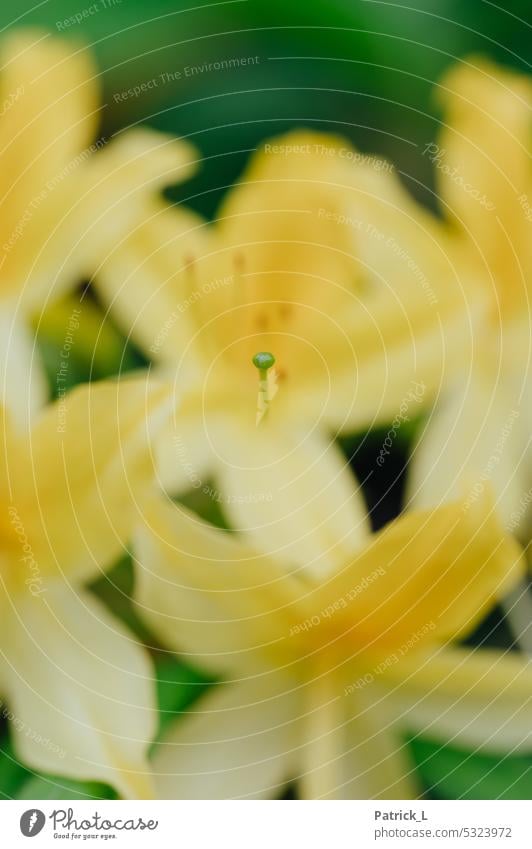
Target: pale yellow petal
(295,274)
(116,188)
(184,452)
(23,383)
(350,745)
(403,247)
(415,322)
(146,281)
(209,596)
(427,576)
(482,163)
(478,698)
(75,479)
(239,741)
(293,493)
(376,763)
(280,218)
(475,439)
(49,115)
(80,688)
(52,111)
(404,351)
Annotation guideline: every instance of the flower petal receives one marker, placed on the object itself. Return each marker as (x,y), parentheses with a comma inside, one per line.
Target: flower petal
(52,111)
(118,187)
(80,689)
(427,576)
(478,698)
(237,742)
(483,168)
(376,762)
(350,746)
(22,379)
(75,479)
(49,92)
(144,280)
(294,494)
(207,595)
(415,317)
(280,218)
(473,439)
(184,453)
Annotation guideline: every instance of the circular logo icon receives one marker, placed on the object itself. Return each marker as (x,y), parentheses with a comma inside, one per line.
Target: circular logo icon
(32,822)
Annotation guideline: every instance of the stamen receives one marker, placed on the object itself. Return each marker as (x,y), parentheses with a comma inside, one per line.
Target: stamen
(285,311)
(193,294)
(242,290)
(264,361)
(192,289)
(262,322)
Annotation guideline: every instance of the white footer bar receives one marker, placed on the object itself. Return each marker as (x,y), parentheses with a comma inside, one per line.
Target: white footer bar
(267,825)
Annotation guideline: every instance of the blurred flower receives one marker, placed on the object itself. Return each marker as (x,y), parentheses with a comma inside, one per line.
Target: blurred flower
(78,686)
(480,430)
(323,676)
(65,197)
(293,266)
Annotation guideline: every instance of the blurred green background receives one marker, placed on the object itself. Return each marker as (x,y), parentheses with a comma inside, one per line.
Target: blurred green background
(363,68)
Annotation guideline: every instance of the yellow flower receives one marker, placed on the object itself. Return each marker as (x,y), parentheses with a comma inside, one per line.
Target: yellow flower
(78,688)
(66,197)
(285,270)
(323,676)
(480,429)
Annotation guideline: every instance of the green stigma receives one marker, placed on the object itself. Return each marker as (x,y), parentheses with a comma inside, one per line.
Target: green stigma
(263,360)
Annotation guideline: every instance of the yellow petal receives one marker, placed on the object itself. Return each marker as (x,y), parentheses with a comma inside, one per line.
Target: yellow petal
(414,323)
(278,218)
(80,688)
(184,452)
(375,763)
(67,202)
(52,113)
(473,440)
(482,163)
(22,380)
(49,92)
(293,493)
(115,195)
(402,356)
(350,745)
(75,479)
(478,698)
(428,575)
(402,246)
(207,595)
(145,279)
(294,269)
(238,741)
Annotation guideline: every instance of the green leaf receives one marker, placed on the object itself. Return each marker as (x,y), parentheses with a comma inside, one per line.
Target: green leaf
(452,773)
(18,782)
(115,589)
(48,787)
(12,774)
(78,343)
(178,686)
(207,502)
